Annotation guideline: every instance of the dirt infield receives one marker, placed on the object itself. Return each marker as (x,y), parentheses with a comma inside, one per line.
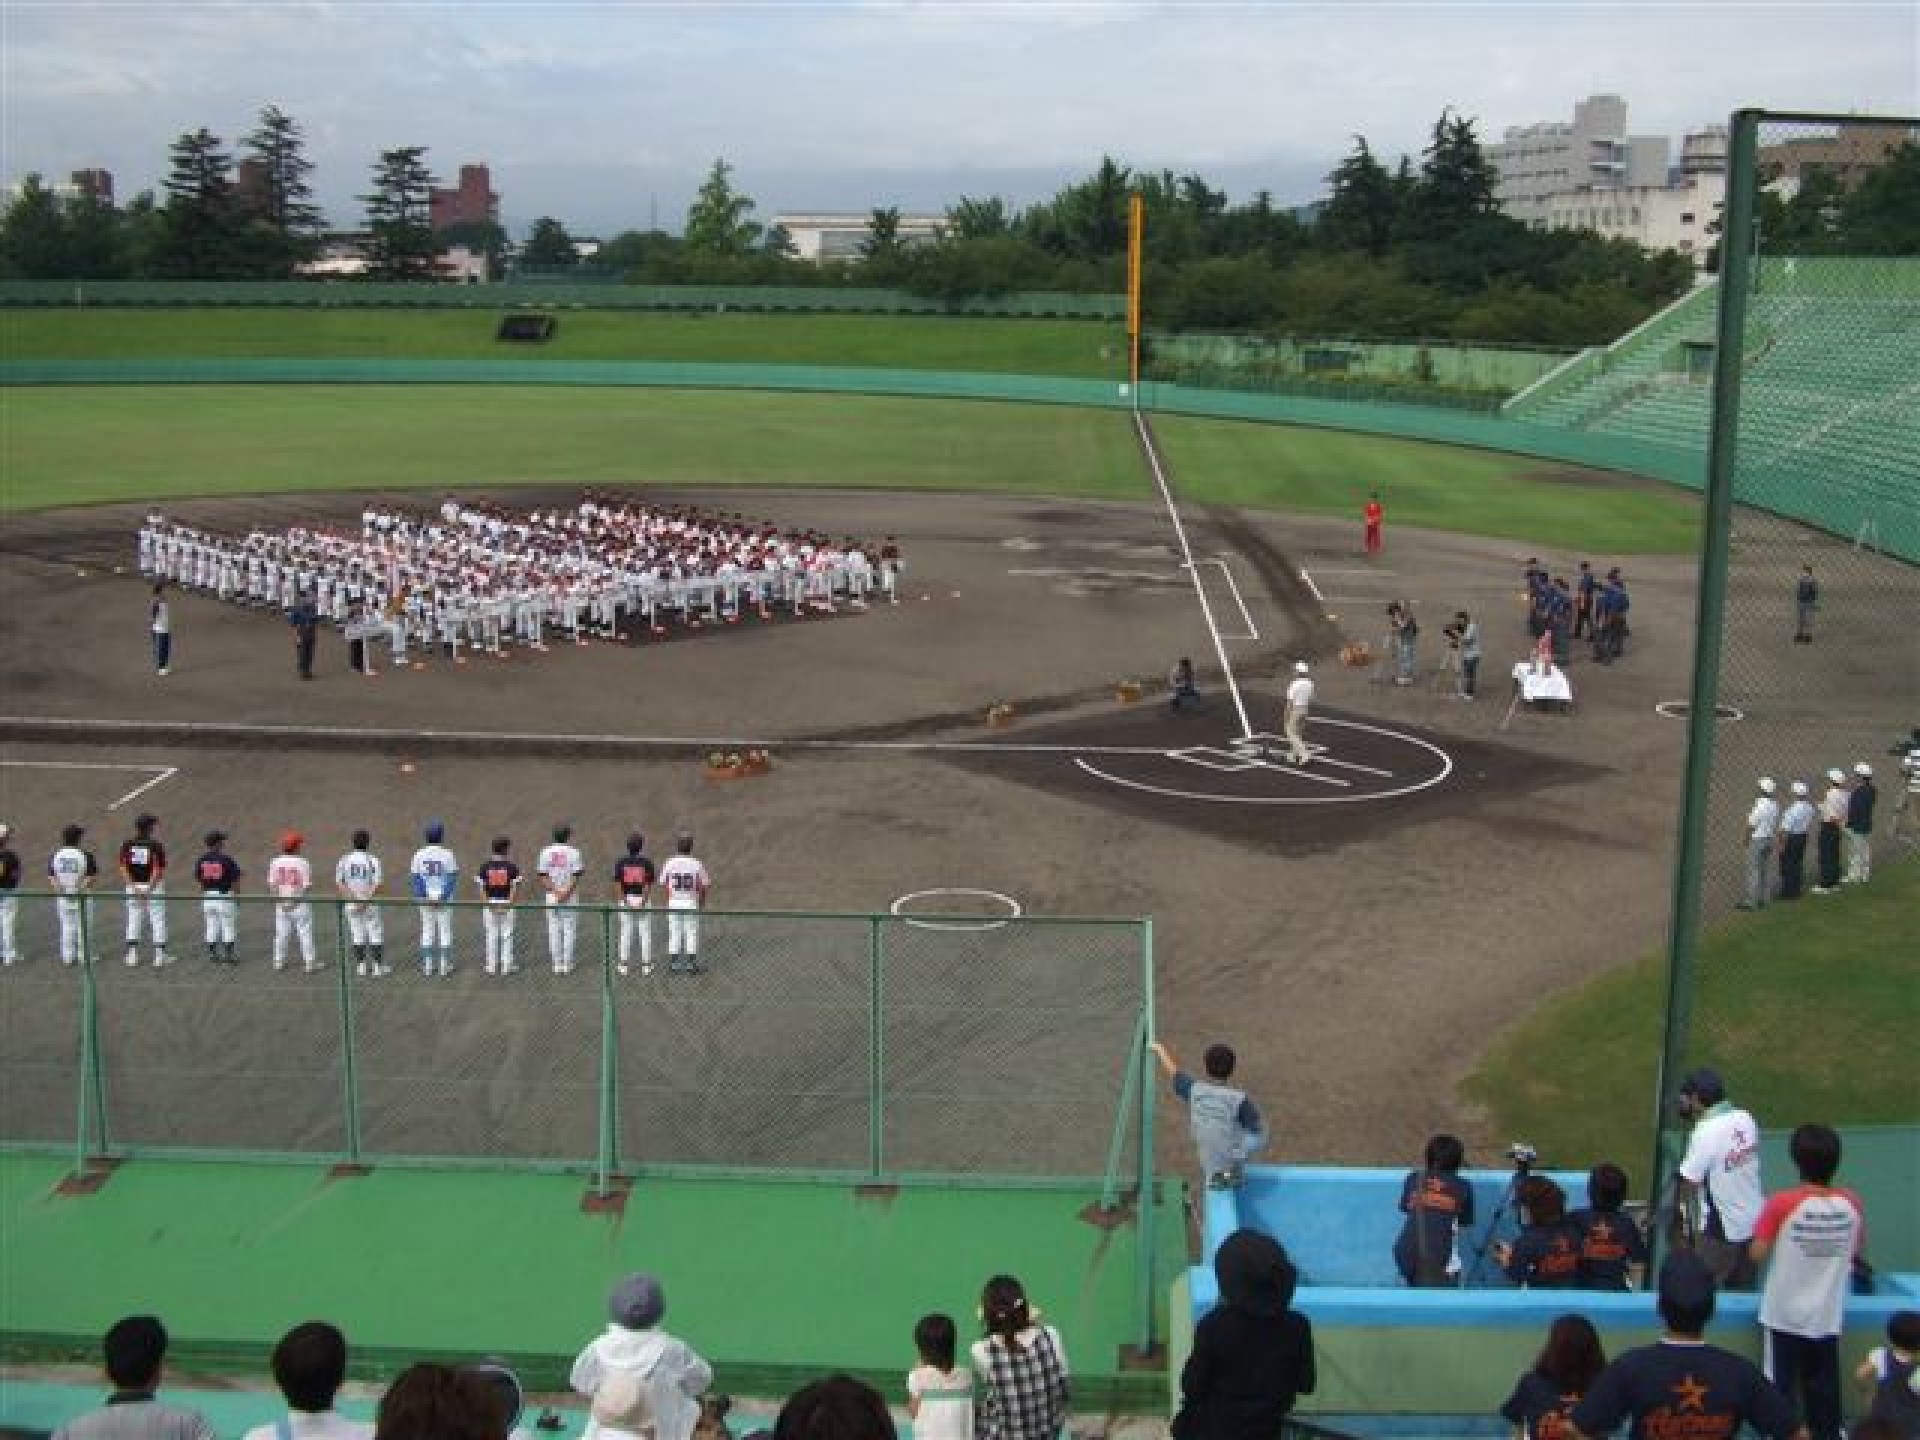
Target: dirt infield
(1358,933)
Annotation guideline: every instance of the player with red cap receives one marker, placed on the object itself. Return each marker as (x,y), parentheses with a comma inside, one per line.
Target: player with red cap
(289,878)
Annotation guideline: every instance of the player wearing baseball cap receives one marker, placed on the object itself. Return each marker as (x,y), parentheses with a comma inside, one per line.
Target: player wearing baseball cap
(289,878)
(1294,718)
(686,882)
(1795,825)
(1763,828)
(143,870)
(1859,834)
(72,871)
(435,873)
(357,876)
(218,876)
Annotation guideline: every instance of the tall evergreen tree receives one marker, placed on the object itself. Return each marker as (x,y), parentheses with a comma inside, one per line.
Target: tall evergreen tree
(278,200)
(1362,208)
(719,222)
(1456,182)
(201,239)
(400,215)
(549,246)
(972,219)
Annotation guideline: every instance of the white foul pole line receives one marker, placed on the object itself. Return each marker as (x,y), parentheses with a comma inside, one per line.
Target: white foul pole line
(1193,571)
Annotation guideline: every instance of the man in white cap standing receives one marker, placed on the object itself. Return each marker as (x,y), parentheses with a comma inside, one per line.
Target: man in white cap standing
(1763,823)
(1859,836)
(1794,828)
(1294,719)
(1833,819)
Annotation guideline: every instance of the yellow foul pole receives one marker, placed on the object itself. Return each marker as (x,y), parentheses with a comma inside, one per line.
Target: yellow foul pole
(1136,228)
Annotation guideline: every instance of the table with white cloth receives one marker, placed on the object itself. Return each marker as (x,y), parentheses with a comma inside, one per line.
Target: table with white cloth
(1542,685)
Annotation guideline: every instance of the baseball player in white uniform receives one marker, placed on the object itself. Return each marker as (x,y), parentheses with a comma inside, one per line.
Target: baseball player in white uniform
(435,873)
(1293,721)
(687,884)
(561,866)
(72,871)
(289,878)
(357,877)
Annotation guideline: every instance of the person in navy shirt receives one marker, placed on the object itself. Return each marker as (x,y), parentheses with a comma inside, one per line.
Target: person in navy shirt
(1612,1249)
(1438,1204)
(1546,1253)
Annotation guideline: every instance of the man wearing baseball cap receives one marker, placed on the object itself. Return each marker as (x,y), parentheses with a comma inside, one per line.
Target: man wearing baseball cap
(1859,836)
(289,878)
(1683,1386)
(1299,703)
(1763,824)
(1833,819)
(1720,1187)
(1795,826)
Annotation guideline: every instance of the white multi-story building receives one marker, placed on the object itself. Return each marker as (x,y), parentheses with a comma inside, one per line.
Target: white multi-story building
(1679,217)
(1538,163)
(818,235)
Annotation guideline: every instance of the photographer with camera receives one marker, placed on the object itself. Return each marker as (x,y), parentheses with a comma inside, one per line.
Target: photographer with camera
(1404,633)
(1463,638)
(1907,813)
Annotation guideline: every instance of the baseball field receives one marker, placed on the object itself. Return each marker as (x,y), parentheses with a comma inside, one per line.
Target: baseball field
(1361,945)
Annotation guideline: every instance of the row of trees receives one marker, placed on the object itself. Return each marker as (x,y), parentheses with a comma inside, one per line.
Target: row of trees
(1419,248)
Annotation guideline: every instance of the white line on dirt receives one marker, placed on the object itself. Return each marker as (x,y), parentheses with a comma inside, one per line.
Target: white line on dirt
(1307,580)
(1186,552)
(139,790)
(1226,570)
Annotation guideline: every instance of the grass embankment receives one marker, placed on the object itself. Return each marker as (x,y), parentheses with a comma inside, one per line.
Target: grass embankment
(1080,348)
(82,444)
(1809,1009)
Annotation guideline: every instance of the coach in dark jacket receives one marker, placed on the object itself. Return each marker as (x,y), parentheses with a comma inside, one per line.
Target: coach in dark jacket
(1252,1356)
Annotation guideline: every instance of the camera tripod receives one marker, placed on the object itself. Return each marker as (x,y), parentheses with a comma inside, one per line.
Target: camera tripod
(1509,1205)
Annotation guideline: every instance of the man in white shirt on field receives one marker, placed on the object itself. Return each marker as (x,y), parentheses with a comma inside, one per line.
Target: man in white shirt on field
(561,866)
(687,884)
(1294,719)
(1763,825)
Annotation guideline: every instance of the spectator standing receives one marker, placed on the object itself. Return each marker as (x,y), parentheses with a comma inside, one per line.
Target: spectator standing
(1546,1253)
(160,628)
(1833,819)
(1859,834)
(1544,1397)
(1180,685)
(1763,829)
(1022,1364)
(1683,1385)
(1720,1176)
(1613,1253)
(1893,1372)
(939,1393)
(1469,630)
(1375,515)
(309,1366)
(1228,1129)
(1252,1353)
(836,1408)
(1808,1237)
(136,1353)
(1405,633)
(634,1348)
(1438,1205)
(1806,601)
(9,901)
(1795,825)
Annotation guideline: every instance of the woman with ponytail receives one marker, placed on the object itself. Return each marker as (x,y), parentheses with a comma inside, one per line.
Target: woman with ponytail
(1022,1366)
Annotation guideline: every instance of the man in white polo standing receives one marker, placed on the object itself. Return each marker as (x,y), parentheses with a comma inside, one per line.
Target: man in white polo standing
(1294,719)
(1720,1178)
(1763,826)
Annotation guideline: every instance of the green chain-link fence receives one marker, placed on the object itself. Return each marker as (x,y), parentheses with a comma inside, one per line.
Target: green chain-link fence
(1813,494)
(872,1047)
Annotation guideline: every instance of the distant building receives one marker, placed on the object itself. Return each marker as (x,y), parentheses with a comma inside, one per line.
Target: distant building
(1704,152)
(1683,217)
(821,235)
(1847,153)
(472,199)
(96,185)
(1536,163)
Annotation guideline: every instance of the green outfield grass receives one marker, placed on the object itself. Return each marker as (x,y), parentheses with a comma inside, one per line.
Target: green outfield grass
(1577,1071)
(81,444)
(1080,348)
(1443,487)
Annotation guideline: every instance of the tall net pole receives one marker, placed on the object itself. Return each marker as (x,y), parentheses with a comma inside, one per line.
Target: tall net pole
(1136,234)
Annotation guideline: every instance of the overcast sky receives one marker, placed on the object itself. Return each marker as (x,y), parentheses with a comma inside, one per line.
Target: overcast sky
(607,115)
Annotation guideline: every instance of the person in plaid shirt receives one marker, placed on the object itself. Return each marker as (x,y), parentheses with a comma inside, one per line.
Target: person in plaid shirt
(1022,1366)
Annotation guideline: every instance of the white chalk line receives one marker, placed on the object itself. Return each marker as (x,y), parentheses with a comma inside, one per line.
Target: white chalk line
(163,773)
(1186,552)
(922,922)
(1246,615)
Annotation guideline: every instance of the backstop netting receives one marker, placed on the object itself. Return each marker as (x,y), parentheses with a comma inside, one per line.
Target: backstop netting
(871,1048)
(1807,660)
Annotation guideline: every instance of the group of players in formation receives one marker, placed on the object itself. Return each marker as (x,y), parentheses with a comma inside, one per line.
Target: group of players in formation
(478,577)
(432,878)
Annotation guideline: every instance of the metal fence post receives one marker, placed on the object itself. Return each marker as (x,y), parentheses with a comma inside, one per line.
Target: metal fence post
(876,1098)
(1143,1061)
(609,1066)
(1123,1114)
(349,1068)
(1736,273)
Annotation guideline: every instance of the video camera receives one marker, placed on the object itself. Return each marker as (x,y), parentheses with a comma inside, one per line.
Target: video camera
(1523,1155)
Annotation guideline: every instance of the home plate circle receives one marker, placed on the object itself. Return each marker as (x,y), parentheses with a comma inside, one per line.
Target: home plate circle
(1349,762)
